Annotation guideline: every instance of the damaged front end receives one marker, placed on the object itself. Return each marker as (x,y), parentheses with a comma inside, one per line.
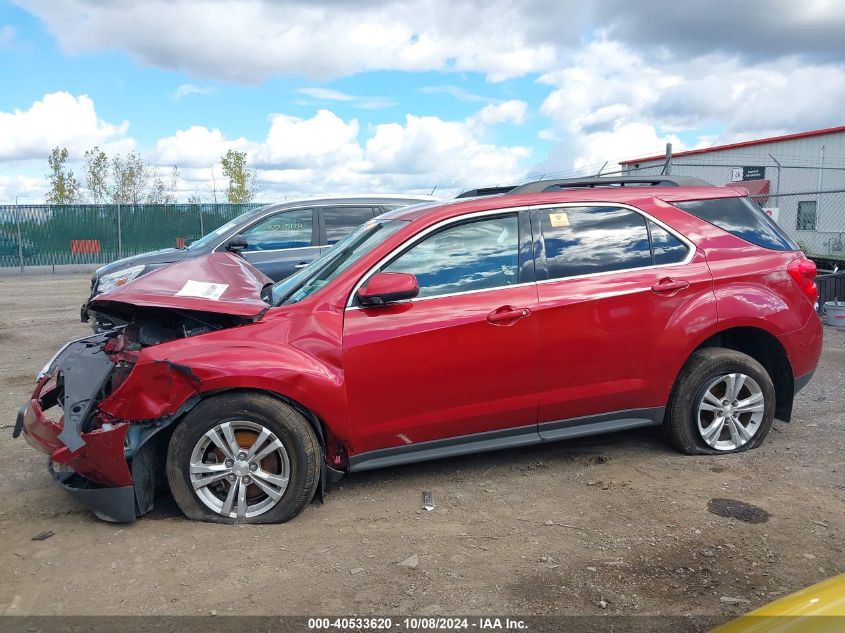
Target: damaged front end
(87,453)
(110,464)
(104,433)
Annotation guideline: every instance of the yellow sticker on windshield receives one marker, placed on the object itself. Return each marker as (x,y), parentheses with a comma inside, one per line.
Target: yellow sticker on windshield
(559,219)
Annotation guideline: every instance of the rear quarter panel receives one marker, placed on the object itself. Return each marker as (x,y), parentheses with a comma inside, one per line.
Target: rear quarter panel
(753,288)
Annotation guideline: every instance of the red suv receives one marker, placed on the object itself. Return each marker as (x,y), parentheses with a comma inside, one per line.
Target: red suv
(558,310)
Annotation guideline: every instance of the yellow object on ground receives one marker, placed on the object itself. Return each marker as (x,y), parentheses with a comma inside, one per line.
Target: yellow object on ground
(816,609)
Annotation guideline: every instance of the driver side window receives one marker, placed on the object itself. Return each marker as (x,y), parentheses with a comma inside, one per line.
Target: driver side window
(291,229)
(473,255)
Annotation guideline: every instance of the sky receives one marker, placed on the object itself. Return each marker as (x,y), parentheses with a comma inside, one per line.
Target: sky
(381,96)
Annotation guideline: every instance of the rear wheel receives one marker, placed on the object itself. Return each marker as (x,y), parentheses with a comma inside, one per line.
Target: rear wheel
(723,402)
(243,457)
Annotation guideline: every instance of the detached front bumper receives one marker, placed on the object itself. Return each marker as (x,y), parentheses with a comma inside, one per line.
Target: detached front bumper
(96,472)
(114,504)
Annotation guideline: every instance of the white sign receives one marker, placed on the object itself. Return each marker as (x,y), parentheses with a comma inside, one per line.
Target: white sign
(772,212)
(736,174)
(202,289)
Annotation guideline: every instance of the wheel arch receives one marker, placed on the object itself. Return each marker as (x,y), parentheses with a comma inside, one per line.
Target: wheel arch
(327,440)
(766,349)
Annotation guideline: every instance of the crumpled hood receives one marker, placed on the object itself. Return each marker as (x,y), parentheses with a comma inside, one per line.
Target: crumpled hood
(222,283)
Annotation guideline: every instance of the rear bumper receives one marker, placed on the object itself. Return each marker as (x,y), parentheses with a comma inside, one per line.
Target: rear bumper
(801,381)
(804,349)
(113,504)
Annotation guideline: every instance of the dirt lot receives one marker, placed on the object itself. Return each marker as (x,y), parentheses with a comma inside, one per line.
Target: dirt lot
(617,524)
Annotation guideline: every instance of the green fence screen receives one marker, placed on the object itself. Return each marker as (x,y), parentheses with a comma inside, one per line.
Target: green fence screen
(52,235)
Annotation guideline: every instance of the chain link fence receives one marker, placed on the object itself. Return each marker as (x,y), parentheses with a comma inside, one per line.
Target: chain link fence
(73,234)
(805,197)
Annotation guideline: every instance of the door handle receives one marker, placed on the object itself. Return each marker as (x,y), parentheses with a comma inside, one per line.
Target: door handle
(508,314)
(668,285)
(300,265)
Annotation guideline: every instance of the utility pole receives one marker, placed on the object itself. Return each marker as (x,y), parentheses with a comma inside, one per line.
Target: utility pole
(667,166)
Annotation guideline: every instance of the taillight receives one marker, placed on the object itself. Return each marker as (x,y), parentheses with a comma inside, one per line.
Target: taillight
(803,272)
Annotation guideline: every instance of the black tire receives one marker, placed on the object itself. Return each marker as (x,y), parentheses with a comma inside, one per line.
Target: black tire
(680,424)
(286,423)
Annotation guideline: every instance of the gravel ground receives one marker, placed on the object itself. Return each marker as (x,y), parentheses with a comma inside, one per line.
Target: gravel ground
(615,524)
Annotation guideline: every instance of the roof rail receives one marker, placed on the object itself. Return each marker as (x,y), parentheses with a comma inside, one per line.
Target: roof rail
(485,191)
(619,181)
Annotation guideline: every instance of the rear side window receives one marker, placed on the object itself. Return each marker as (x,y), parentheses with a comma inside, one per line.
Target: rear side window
(742,218)
(339,222)
(585,240)
(667,248)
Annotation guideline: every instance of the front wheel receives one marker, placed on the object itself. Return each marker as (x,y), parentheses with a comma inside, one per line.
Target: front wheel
(243,457)
(723,402)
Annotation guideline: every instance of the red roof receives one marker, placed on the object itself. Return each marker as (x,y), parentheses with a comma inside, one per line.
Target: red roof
(759,141)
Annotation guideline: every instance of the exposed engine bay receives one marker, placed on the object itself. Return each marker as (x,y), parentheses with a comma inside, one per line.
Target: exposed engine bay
(154,326)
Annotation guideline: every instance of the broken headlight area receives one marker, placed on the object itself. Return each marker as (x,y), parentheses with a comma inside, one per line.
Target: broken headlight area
(100,429)
(87,371)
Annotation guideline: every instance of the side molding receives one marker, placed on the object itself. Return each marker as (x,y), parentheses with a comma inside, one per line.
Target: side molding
(508,438)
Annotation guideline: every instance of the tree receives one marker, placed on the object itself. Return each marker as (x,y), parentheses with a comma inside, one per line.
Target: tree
(242,181)
(97,175)
(64,187)
(194,198)
(130,178)
(164,192)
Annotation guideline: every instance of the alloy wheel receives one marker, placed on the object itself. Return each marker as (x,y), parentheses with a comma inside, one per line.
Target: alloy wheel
(239,469)
(730,411)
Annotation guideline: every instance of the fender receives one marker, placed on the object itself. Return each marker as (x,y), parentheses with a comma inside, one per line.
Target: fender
(255,356)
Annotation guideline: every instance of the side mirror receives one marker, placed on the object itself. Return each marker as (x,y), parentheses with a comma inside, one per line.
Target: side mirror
(236,244)
(385,288)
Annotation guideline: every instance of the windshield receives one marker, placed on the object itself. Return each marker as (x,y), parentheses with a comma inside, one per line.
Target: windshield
(334,261)
(212,238)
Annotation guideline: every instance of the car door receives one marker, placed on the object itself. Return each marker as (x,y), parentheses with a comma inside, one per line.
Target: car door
(619,296)
(460,360)
(336,222)
(281,243)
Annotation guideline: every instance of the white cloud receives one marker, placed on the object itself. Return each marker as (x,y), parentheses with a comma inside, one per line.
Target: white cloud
(58,120)
(461,94)
(190,89)
(326,153)
(512,111)
(25,188)
(295,143)
(251,40)
(612,103)
(326,94)
(322,95)
(196,147)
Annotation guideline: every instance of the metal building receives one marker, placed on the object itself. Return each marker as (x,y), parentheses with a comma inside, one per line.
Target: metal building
(798,178)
